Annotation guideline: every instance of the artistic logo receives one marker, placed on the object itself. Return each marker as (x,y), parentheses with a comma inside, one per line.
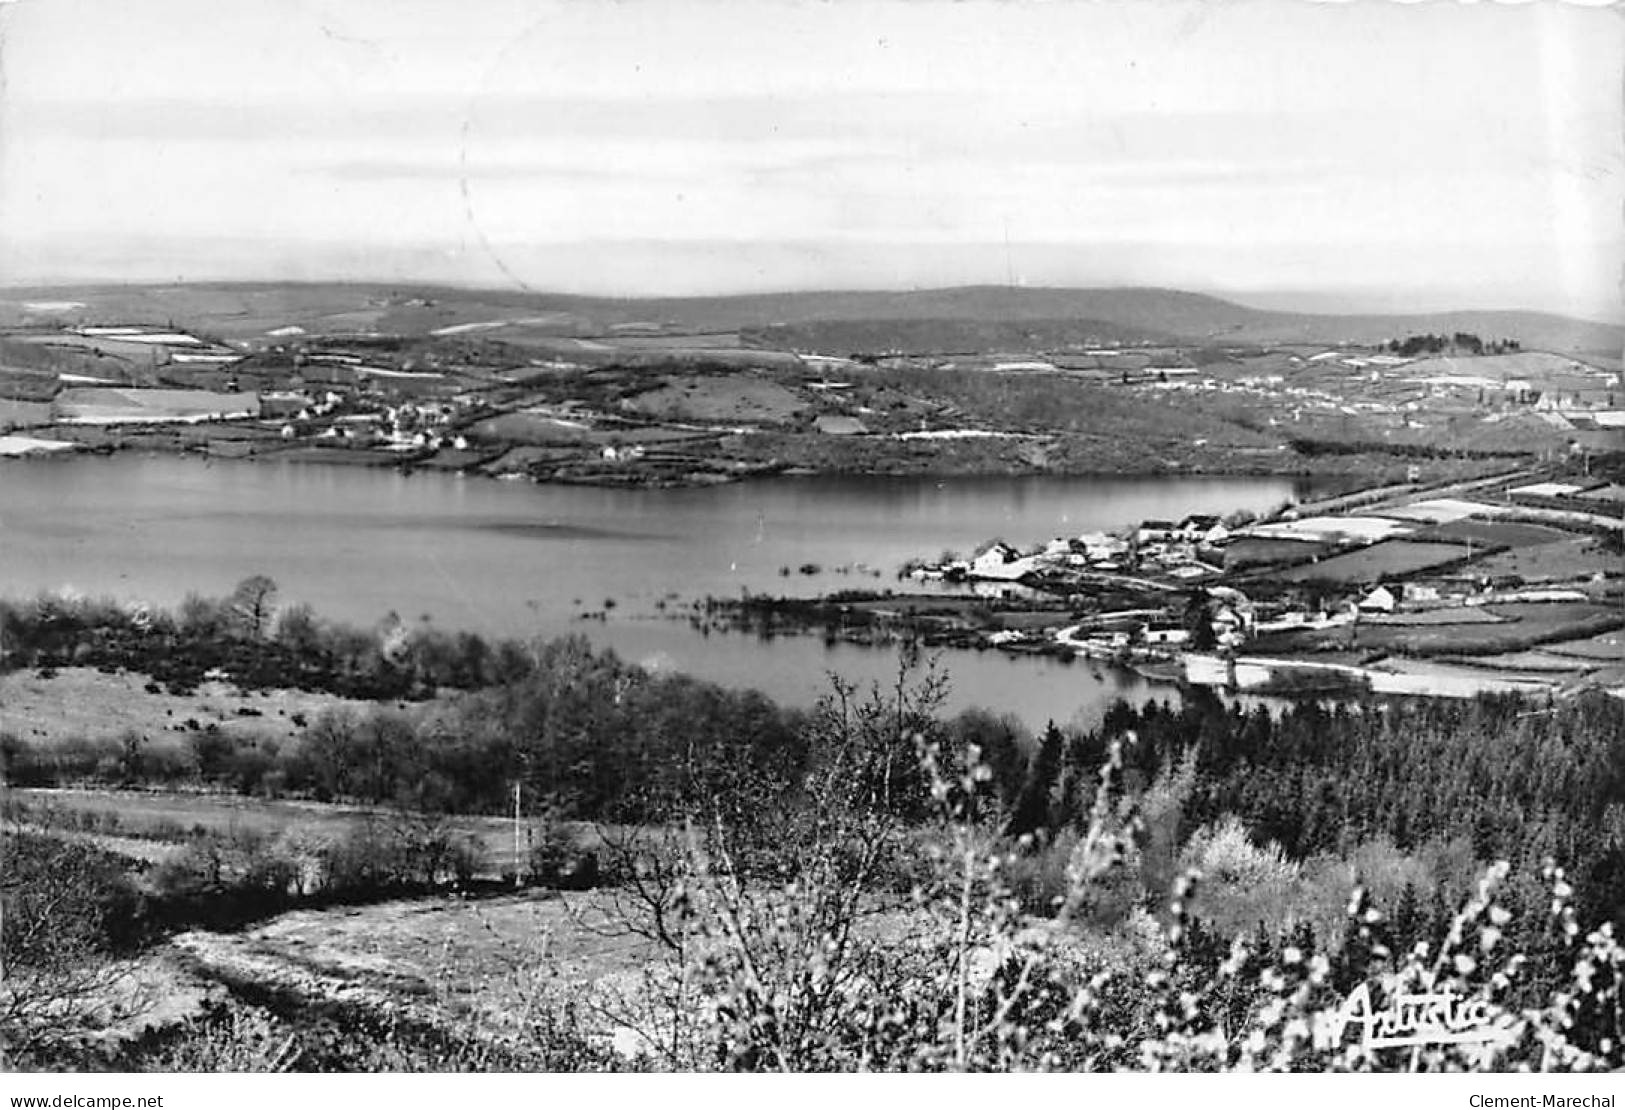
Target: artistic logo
(1433,1018)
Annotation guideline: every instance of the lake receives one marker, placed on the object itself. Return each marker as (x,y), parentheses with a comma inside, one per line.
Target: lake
(514,558)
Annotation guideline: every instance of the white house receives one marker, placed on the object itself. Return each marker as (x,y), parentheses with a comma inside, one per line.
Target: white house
(1379,600)
(1100,545)
(992,560)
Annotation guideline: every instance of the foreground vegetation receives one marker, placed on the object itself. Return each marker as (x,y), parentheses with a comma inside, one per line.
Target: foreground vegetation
(868,885)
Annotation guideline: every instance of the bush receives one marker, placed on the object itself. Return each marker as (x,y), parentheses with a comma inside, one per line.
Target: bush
(556,861)
(1226,854)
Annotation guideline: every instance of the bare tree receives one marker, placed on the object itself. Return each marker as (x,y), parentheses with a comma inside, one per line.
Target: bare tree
(64,907)
(254,603)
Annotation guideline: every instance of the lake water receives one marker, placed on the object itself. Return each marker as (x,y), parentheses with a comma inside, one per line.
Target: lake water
(513,558)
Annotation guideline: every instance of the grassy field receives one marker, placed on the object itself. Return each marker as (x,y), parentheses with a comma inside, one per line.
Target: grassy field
(1487,533)
(1544,617)
(24,414)
(1454,615)
(1562,561)
(1608,647)
(1381,561)
(531,429)
(176,815)
(1261,551)
(81,703)
(1510,628)
(717,398)
(1523,624)
(105,406)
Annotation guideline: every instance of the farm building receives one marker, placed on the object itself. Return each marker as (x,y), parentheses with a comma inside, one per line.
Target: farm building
(1379,600)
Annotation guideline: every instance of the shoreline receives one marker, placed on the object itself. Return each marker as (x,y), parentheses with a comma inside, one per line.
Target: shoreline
(160,440)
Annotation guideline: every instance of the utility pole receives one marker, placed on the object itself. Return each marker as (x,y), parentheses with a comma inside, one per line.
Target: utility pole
(518,787)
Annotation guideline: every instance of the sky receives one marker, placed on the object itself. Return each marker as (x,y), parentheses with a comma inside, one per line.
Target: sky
(1292,153)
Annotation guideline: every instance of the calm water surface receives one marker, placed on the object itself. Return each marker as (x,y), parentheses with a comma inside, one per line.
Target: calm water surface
(512,558)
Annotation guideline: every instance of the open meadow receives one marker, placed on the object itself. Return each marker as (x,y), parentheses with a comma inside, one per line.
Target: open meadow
(81,703)
(1387,560)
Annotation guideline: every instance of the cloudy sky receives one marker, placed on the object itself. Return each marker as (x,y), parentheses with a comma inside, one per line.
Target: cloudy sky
(1366,155)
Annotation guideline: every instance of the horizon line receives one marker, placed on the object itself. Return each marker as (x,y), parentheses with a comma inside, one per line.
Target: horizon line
(1240,299)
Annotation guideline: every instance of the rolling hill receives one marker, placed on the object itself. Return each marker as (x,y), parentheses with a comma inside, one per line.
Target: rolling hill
(993,317)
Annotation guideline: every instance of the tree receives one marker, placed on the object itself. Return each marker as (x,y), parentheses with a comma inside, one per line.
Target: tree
(298,630)
(202,618)
(1032,807)
(65,909)
(1198,621)
(253,603)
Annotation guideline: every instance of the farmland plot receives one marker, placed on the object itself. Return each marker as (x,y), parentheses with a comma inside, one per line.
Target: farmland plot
(1525,624)
(717,398)
(1486,533)
(1562,561)
(171,815)
(79,703)
(1386,560)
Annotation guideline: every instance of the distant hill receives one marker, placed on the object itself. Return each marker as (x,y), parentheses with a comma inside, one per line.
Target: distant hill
(989,317)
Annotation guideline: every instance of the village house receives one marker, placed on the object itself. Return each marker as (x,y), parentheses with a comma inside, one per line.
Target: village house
(1164,636)
(993,557)
(1101,547)
(1196,526)
(1379,600)
(1415,592)
(1001,561)
(1157,531)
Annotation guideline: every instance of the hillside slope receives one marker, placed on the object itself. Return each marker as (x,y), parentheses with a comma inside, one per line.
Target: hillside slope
(1124,314)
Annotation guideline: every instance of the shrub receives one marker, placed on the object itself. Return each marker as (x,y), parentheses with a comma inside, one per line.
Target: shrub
(1226,854)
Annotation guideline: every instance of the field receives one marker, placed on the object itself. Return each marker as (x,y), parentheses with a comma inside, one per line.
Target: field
(1563,561)
(1493,533)
(1525,364)
(713,341)
(174,815)
(1454,615)
(1609,647)
(24,414)
(114,406)
(1535,662)
(722,399)
(1548,617)
(21,446)
(1254,551)
(1613,492)
(1386,560)
(1491,630)
(531,429)
(1524,624)
(488,962)
(79,703)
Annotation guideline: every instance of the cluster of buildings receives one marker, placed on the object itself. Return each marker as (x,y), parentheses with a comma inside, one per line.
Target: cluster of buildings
(405,427)
(1169,594)
(1184,551)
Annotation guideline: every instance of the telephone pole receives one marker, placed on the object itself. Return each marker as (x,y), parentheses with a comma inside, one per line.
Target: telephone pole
(518,787)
